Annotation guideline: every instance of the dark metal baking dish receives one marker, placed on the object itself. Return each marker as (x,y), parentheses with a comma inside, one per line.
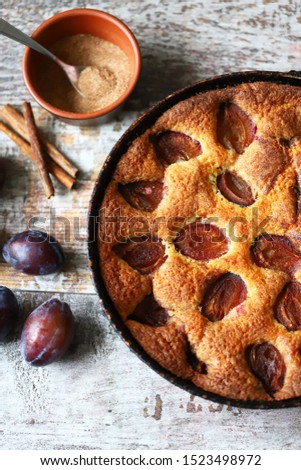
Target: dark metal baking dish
(104,177)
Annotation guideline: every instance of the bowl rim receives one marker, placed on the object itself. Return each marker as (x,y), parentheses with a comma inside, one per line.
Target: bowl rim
(136,129)
(68,115)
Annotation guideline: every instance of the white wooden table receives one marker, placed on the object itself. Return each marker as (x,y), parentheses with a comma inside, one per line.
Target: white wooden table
(100,395)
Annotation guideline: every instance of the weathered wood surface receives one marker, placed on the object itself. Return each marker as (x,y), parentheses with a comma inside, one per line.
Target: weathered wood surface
(101,395)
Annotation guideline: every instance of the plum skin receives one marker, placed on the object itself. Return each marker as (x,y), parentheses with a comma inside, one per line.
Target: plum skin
(9,311)
(33,252)
(47,333)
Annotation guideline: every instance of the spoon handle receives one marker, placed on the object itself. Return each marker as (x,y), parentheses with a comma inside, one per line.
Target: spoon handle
(11,32)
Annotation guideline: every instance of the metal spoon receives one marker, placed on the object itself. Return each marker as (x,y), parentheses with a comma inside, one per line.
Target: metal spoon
(72,71)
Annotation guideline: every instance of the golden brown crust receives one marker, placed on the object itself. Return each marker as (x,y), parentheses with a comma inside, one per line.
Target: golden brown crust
(166,345)
(271,167)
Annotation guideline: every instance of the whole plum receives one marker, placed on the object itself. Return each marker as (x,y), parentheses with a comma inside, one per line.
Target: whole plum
(33,252)
(47,333)
(9,311)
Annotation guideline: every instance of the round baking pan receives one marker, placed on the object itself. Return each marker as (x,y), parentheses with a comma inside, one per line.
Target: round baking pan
(104,177)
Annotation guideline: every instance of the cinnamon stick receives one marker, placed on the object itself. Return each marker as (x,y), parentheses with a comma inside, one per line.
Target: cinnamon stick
(17,122)
(53,167)
(37,149)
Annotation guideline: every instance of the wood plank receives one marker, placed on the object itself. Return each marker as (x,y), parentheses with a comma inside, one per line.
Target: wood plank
(100,395)
(181,41)
(65,215)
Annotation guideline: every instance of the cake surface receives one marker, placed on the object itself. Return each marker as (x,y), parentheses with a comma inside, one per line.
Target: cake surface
(200,238)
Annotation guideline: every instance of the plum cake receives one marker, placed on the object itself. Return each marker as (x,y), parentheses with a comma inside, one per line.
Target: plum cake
(200,240)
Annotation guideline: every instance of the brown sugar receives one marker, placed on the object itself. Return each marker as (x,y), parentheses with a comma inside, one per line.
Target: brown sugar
(95,82)
(102,82)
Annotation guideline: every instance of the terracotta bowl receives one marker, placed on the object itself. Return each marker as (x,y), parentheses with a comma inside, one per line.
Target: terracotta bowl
(81,21)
